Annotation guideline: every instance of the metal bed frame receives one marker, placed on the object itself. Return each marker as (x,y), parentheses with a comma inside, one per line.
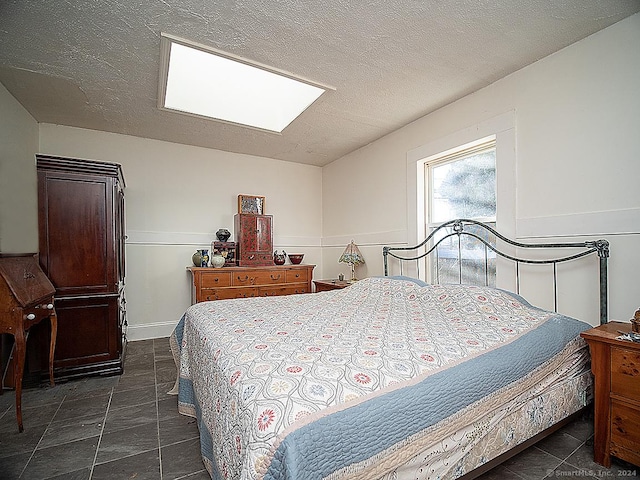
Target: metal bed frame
(601,247)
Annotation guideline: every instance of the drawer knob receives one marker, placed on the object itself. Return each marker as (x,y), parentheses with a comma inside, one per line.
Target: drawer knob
(50,306)
(31,316)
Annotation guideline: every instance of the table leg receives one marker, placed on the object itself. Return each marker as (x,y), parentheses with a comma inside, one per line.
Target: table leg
(20,353)
(52,345)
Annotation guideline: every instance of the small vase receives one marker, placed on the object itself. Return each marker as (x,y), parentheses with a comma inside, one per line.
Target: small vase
(200,258)
(217,261)
(205,258)
(279,258)
(223,234)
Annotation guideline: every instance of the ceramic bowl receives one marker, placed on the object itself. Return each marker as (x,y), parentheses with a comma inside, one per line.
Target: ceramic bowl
(296,258)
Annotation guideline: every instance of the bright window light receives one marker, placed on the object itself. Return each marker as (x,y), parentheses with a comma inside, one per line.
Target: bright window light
(209,84)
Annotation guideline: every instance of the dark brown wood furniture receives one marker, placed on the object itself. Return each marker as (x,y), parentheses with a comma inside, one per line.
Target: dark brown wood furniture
(241,282)
(26,298)
(254,239)
(324,285)
(82,233)
(616,367)
(227,250)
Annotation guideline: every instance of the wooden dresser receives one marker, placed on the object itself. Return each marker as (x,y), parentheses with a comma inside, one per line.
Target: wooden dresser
(240,282)
(616,367)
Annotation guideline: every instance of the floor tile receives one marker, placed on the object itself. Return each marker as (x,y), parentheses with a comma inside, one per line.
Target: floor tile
(127,442)
(500,473)
(12,466)
(130,417)
(31,417)
(134,396)
(83,407)
(13,442)
(560,445)
(177,429)
(533,464)
(144,466)
(61,459)
(72,429)
(140,379)
(180,459)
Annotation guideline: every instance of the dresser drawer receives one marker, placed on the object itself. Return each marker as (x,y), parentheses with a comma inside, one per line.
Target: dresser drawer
(256,259)
(283,290)
(268,277)
(210,294)
(215,279)
(298,275)
(625,372)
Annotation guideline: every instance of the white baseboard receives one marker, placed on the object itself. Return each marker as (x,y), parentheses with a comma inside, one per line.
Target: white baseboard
(150,331)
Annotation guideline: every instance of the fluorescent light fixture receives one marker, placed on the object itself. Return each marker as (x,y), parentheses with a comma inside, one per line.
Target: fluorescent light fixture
(205,82)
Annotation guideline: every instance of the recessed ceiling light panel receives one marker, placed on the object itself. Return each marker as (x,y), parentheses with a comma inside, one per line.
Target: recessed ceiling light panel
(212,84)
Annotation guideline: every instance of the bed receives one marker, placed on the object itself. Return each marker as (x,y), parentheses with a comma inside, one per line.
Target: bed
(390,378)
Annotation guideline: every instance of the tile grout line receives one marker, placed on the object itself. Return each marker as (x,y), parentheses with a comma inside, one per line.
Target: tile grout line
(33,452)
(104,423)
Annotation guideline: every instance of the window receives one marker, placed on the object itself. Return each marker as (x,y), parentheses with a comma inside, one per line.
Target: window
(210,83)
(461,183)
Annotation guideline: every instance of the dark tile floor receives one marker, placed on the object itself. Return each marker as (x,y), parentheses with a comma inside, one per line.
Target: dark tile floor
(127,427)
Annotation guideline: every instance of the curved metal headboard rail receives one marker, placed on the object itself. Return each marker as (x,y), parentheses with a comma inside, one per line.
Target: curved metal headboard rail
(601,247)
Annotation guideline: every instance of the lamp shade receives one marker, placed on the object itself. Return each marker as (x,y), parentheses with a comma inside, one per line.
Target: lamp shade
(351,255)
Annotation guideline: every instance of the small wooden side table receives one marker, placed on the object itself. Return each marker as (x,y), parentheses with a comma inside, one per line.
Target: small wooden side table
(615,365)
(325,285)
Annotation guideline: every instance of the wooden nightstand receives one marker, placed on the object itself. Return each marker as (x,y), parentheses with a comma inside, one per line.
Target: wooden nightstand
(324,285)
(616,367)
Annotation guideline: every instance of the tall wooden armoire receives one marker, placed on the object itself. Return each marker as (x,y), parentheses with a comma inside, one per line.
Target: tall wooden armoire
(82,237)
(254,239)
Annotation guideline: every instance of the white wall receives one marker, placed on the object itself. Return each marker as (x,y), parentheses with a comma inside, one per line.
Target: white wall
(576,172)
(177,197)
(18,181)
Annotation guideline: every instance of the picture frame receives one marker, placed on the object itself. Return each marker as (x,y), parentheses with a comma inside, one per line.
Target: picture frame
(251,204)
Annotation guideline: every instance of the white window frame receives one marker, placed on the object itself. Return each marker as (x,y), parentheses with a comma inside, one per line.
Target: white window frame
(504,128)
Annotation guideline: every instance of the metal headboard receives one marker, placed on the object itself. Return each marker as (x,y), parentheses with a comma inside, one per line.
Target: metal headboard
(601,247)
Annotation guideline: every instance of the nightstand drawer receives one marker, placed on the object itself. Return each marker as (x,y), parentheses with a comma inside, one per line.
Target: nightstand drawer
(625,372)
(625,426)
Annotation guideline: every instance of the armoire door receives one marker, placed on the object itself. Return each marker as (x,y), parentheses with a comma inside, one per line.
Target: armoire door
(81,237)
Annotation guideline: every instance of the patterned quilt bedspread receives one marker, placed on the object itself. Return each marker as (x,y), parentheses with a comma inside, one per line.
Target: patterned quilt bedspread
(347,383)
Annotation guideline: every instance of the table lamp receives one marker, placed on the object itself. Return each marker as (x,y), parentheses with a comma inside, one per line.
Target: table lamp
(353,257)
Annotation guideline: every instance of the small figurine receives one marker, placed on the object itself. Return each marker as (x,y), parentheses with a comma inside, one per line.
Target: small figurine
(635,322)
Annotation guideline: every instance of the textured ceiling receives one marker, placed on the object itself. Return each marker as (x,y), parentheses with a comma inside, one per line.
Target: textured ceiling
(95,64)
